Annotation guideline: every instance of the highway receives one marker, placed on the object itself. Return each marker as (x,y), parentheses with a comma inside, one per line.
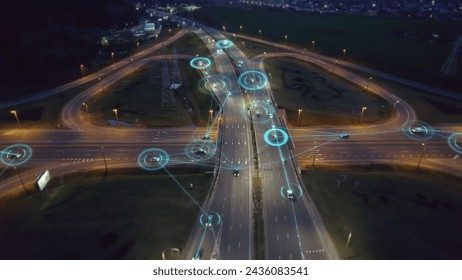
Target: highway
(229,236)
(252,137)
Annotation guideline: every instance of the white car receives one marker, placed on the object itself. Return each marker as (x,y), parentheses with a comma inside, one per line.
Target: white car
(290,194)
(155,159)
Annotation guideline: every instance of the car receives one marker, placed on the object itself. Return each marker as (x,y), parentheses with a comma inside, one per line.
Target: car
(201,151)
(344,135)
(12,156)
(206,137)
(418,130)
(284,161)
(270,115)
(155,159)
(236,172)
(209,221)
(275,137)
(197,255)
(258,113)
(290,194)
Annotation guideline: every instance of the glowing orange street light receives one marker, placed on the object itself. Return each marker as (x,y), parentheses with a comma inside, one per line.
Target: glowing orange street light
(16,117)
(116,115)
(362,113)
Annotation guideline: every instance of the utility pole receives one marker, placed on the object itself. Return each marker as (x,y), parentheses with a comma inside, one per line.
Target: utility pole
(104,158)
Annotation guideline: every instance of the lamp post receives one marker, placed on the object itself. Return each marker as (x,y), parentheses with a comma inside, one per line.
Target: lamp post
(285,36)
(234,36)
(313,43)
(243,43)
(298,119)
(348,244)
(81,70)
(368,82)
(15,114)
(344,53)
(259,31)
(101,81)
(224,28)
(116,115)
(394,107)
(112,55)
(86,106)
(424,147)
(133,64)
(240,27)
(362,113)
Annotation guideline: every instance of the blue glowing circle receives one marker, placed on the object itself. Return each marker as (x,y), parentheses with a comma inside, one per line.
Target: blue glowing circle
(199,150)
(153,159)
(276,137)
(455,142)
(16,155)
(260,111)
(215,219)
(418,130)
(253,80)
(224,44)
(200,63)
(214,84)
(297,190)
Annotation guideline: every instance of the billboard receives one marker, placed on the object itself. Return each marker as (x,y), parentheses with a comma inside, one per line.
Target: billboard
(42,180)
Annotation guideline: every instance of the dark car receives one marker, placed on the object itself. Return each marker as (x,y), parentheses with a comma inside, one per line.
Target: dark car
(236,172)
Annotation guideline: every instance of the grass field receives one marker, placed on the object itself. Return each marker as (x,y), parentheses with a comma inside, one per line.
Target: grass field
(88,216)
(138,97)
(405,47)
(392,215)
(324,98)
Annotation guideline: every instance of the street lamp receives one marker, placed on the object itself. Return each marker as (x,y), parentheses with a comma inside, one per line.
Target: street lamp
(394,107)
(116,115)
(224,28)
(298,120)
(313,43)
(112,55)
(243,43)
(133,64)
(368,81)
(81,70)
(348,243)
(101,81)
(16,117)
(424,147)
(285,36)
(240,27)
(234,36)
(362,113)
(86,106)
(259,31)
(344,53)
